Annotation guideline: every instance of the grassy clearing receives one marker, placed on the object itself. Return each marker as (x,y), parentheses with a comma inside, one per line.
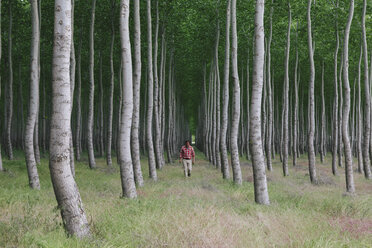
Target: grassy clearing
(202,211)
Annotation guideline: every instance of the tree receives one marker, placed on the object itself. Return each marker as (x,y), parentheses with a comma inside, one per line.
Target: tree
(335,105)
(269,94)
(311,151)
(33,175)
(64,185)
(1,159)
(150,96)
(367,95)
(350,187)
(126,166)
(259,174)
(235,163)
(92,162)
(135,146)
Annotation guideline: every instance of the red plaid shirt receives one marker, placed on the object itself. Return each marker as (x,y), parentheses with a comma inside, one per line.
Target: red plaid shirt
(187,152)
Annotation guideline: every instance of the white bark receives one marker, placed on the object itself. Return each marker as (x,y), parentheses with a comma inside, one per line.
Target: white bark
(65,188)
(92,162)
(235,163)
(269,95)
(350,187)
(311,149)
(150,96)
(33,176)
(335,106)
(126,166)
(9,95)
(359,117)
(367,94)
(259,173)
(135,147)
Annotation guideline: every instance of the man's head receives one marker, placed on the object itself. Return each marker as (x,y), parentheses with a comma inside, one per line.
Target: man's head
(187,143)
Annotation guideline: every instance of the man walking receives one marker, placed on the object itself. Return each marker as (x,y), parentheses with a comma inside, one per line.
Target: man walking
(187,156)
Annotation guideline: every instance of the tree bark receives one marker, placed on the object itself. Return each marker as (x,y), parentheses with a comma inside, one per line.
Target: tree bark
(335,105)
(92,162)
(286,96)
(295,126)
(322,131)
(360,120)
(367,95)
(9,95)
(259,174)
(269,94)
(136,97)
(235,163)
(126,166)
(311,151)
(350,187)
(65,188)
(150,96)
(78,101)
(33,176)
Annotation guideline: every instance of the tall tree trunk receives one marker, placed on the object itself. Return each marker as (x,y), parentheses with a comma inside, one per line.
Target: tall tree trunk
(311,151)
(340,111)
(111,91)
(335,105)
(78,101)
(218,106)
(92,162)
(322,134)
(64,185)
(235,163)
(350,188)
(126,166)
(269,95)
(295,126)
(286,96)
(72,85)
(359,117)
(259,174)
(157,147)
(367,107)
(1,159)
(100,125)
(136,96)
(9,95)
(150,96)
(33,176)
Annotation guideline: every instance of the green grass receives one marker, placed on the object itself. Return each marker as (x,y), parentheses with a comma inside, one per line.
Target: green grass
(201,211)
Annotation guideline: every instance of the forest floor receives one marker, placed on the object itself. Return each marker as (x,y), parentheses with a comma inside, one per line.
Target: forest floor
(201,211)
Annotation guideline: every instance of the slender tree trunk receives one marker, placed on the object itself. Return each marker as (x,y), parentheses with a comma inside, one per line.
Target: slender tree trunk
(65,188)
(111,91)
(78,101)
(335,105)
(72,85)
(269,95)
(33,176)
(9,95)
(92,162)
(286,96)
(235,163)
(136,97)
(100,124)
(367,107)
(295,126)
(126,166)
(259,173)
(311,152)
(360,120)
(322,138)
(218,106)
(150,96)
(350,188)
(1,159)
(340,111)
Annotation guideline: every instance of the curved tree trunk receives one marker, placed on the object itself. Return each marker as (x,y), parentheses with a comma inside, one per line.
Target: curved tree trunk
(259,174)
(311,151)
(92,162)
(150,96)
(126,166)
(135,147)
(335,106)
(235,163)
(33,176)
(367,107)
(350,188)
(65,188)
(78,101)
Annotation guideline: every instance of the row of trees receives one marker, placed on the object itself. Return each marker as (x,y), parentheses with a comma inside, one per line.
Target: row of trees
(282,123)
(130,125)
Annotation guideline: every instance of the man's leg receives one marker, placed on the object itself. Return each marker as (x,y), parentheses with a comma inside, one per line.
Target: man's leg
(184,162)
(189,168)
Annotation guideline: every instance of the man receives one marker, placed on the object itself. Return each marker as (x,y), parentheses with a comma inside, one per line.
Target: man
(187,157)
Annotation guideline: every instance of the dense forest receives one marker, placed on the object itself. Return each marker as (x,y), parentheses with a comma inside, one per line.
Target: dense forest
(269,83)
